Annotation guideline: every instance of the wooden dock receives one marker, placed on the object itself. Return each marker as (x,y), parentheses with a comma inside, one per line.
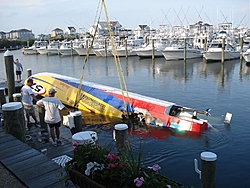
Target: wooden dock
(37,162)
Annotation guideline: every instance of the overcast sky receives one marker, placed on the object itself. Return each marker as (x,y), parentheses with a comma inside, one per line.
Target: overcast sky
(42,16)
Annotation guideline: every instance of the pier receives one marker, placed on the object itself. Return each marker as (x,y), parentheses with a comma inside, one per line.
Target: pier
(36,163)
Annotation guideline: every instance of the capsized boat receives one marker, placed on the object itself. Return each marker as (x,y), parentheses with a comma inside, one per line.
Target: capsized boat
(109,101)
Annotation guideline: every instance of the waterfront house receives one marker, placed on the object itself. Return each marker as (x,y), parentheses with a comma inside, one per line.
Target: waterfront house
(70,31)
(56,32)
(20,34)
(102,27)
(2,35)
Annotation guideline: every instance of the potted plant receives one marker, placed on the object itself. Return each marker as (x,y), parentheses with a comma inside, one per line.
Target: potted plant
(98,167)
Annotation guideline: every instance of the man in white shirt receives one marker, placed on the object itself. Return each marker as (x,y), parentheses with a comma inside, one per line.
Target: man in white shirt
(27,100)
(52,117)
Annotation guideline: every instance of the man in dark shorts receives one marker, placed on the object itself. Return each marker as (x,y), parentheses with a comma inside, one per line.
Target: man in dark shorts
(19,70)
(52,117)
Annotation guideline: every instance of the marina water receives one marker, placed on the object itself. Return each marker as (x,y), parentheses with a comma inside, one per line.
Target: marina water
(195,84)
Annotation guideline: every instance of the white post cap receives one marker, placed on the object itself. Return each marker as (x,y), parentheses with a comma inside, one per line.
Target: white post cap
(8,53)
(16,95)
(76,113)
(121,127)
(12,106)
(208,156)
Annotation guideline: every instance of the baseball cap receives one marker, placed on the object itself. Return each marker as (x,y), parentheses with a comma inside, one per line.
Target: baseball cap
(52,90)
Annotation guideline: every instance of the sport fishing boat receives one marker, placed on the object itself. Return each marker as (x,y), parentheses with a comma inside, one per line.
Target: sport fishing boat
(110,101)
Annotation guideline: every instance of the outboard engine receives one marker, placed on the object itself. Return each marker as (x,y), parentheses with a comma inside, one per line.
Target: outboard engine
(174,110)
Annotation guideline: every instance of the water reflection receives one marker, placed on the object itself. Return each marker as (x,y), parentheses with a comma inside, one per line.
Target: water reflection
(221,71)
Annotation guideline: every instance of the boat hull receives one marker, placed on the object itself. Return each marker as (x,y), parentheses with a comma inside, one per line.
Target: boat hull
(109,101)
(217,55)
(179,54)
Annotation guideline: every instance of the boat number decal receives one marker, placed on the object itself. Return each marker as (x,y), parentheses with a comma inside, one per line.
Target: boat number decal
(38,88)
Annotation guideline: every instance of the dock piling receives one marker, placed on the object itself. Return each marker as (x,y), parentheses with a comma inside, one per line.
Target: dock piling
(2,96)
(14,121)
(9,67)
(121,137)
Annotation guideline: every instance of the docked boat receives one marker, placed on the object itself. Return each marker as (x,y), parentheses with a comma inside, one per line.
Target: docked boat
(50,49)
(109,101)
(67,48)
(214,52)
(177,49)
(246,55)
(146,51)
(33,49)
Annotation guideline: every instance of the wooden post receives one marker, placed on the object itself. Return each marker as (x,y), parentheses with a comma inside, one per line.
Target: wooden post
(77,115)
(153,49)
(185,49)
(241,48)
(8,58)
(105,45)
(17,97)
(121,137)
(41,112)
(14,121)
(126,48)
(205,45)
(29,73)
(208,169)
(71,48)
(223,50)
(2,96)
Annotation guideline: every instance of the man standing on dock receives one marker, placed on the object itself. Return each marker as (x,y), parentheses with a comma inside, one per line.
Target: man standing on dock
(19,70)
(27,100)
(52,117)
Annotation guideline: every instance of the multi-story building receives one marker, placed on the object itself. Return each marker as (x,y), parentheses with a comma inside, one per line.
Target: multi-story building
(20,34)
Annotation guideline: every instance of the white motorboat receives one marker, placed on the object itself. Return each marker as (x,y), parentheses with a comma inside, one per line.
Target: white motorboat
(123,51)
(50,49)
(146,51)
(33,49)
(214,52)
(67,48)
(246,55)
(176,51)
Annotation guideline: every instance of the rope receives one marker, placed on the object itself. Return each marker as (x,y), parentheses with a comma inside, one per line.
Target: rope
(117,61)
(78,96)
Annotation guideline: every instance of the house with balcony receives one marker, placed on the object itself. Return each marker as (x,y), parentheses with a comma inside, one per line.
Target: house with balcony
(57,32)
(20,34)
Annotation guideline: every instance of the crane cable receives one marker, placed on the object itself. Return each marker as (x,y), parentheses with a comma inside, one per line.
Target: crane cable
(79,96)
(118,64)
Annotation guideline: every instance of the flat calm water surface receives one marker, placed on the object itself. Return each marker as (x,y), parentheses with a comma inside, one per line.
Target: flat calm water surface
(195,84)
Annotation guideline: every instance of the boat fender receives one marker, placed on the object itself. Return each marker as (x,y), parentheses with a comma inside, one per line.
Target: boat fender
(152,122)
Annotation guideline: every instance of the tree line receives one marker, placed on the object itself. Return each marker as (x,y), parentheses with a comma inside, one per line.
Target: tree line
(13,44)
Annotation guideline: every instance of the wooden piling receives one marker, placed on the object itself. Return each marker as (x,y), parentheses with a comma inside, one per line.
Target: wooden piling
(9,67)
(241,48)
(41,113)
(185,49)
(17,97)
(2,96)
(29,73)
(208,170)
(223,50)
(126,48)
(153,49)
(121,137)
(77,115)
(14,121)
